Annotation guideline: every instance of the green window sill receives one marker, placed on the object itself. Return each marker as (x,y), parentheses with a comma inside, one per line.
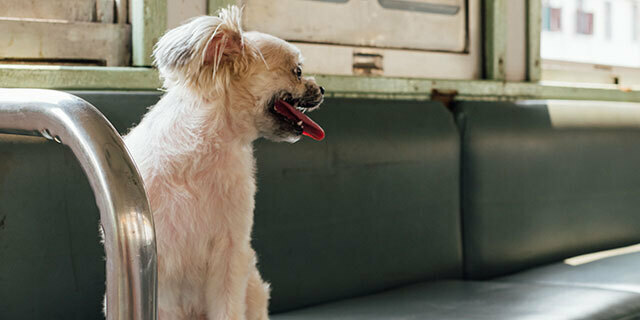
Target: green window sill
(131,78)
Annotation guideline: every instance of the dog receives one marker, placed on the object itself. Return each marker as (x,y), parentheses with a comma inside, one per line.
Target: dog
(224,88)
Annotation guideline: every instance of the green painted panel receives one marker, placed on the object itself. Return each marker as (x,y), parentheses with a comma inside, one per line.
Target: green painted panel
(534,21)
(148,23)
(495,38)
(64,77)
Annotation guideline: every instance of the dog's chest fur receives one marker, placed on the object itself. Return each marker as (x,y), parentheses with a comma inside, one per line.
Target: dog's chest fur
(201,191)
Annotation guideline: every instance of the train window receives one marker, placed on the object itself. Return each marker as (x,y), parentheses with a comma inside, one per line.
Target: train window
(603,46)
(635,21)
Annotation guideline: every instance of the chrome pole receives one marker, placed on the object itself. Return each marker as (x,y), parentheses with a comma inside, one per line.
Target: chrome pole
(119,191)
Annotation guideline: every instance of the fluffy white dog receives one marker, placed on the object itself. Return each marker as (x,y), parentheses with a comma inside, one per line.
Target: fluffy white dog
(224,89)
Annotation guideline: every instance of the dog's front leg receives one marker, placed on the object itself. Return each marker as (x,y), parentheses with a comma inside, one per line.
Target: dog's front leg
(227,284)
(257,297)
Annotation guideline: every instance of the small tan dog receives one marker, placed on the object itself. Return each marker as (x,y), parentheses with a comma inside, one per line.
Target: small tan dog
(224,89)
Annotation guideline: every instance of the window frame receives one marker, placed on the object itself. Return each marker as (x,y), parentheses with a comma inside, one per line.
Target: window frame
(148,20)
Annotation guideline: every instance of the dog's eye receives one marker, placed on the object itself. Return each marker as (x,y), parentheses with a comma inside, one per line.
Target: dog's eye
(298,72)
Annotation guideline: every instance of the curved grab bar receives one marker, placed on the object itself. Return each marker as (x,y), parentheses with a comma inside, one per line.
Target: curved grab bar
(120,195)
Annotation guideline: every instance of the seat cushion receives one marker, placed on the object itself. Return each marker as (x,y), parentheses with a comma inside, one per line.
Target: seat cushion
(615,273)
(449,300)
(545,181)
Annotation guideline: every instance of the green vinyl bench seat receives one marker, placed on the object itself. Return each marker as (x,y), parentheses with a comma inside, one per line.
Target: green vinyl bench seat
(619,273)
(478,300)
(407,210)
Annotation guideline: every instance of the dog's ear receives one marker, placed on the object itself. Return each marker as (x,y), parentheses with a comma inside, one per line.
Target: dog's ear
(226,42)
(182,53)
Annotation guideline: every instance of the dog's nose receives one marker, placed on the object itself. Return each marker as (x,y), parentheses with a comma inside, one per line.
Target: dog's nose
(321,90)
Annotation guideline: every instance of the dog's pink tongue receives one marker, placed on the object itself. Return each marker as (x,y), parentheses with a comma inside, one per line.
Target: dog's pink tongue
(309,127)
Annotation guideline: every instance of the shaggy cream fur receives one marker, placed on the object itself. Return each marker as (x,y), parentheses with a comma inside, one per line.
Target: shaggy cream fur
(194,151)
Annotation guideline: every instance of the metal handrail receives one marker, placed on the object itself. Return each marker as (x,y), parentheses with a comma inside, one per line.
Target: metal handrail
(125,214)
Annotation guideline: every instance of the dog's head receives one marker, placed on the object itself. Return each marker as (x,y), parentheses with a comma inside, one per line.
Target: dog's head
(256,77)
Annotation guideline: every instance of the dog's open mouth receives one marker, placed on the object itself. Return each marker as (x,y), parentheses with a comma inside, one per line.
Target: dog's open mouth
(296,117)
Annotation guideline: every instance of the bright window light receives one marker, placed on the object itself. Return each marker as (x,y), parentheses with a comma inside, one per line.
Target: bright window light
(602,32)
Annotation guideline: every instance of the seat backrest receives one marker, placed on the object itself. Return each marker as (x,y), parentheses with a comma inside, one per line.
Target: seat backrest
(51,260)
(373,206)
(544,181)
